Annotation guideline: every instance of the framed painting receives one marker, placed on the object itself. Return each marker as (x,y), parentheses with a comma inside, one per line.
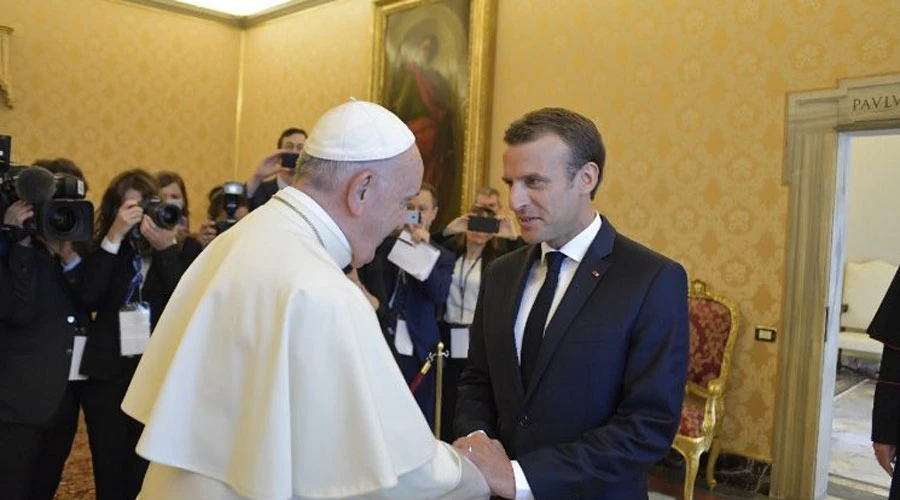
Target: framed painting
(433,67)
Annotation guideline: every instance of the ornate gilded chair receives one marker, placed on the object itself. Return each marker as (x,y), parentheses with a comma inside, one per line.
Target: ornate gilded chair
(714,326)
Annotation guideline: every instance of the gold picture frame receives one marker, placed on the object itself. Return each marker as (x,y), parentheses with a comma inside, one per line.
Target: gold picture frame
(432,65)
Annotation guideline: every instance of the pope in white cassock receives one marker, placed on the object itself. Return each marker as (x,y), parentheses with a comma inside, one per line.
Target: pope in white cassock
(267,376)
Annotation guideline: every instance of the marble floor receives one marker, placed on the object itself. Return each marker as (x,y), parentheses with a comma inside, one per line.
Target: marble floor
(853,472)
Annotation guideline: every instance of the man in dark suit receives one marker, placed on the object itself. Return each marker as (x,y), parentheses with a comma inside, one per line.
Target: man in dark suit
(258,189)
(579,345)
(409,308)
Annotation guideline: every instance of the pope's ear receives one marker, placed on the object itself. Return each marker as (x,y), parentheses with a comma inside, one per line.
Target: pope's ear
(359,192)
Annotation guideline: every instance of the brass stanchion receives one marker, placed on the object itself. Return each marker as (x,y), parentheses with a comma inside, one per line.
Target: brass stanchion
(438,389)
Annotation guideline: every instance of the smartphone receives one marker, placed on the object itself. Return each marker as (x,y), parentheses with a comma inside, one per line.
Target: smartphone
(484,224)
(289,160)
(413,217)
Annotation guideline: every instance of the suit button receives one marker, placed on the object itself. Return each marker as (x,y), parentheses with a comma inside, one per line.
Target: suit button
(525,422)
(68,352)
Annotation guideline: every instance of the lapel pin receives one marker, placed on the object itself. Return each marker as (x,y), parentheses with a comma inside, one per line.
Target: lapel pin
(596,273)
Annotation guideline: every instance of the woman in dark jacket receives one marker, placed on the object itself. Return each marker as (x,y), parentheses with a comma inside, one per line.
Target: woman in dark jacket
(128,279)
(885,328)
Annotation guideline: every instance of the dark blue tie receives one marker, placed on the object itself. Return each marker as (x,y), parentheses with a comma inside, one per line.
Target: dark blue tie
(537,318)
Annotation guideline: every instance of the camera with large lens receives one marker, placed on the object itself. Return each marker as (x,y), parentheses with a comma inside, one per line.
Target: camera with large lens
(61,212)
(164,215)
(232,194)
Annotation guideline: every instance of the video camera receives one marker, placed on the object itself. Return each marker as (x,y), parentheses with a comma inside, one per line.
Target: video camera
(232,194)
(61,212)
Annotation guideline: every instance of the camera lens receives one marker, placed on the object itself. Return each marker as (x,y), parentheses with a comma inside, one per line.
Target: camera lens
(168,216)
(63,219)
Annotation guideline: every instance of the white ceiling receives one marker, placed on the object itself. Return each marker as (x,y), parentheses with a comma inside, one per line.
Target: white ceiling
(236,7)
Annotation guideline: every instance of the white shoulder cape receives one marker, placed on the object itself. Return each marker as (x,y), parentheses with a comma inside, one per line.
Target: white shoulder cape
(268,372)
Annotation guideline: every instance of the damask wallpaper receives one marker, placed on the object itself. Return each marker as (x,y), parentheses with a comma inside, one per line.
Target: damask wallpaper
(297,67)
(690,98)
(688,95)
(113,85)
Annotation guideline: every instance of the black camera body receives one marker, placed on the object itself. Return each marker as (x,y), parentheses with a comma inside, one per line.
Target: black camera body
(232,194)
(164,215)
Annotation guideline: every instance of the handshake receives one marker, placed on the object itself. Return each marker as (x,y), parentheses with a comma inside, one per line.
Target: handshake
(492,461)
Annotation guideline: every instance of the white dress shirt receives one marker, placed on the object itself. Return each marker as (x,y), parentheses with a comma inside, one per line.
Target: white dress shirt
(574,252)
(464,287)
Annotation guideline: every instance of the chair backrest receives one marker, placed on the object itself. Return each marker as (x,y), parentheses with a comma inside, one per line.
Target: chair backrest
(714,325)
(865,284)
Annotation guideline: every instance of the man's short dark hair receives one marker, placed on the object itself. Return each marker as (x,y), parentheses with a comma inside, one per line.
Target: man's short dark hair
(431,189)
(577,131)
(290,131)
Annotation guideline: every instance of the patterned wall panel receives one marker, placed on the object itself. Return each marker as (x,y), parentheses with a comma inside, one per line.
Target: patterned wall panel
(690,99)
(114,85)
(299,66)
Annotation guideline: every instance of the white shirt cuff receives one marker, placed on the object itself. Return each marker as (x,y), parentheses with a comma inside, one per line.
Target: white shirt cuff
(109,246)
(523,490)
(71,265)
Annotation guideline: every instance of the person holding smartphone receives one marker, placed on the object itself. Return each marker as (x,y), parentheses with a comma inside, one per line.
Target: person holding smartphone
(474,251)
(279,166)
(408,307)
(506,237)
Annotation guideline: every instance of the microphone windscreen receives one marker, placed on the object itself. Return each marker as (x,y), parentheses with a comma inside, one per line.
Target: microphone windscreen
(36,185)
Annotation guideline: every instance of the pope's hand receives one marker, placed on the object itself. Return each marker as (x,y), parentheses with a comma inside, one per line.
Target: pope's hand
(491,459)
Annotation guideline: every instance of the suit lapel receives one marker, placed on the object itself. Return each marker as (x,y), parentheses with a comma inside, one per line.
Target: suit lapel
(507,338)
(589,273)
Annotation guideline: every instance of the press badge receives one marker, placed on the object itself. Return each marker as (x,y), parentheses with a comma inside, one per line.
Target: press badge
(459,343)
(134,328)
(402,340)
(78,343)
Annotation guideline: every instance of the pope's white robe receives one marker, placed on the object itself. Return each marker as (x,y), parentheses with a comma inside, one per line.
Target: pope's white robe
(267,377)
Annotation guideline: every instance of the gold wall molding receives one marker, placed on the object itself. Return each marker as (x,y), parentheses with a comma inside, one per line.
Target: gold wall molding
(808,357)
(5,78)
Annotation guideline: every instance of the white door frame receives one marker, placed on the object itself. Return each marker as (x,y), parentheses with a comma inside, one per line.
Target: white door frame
(807,359)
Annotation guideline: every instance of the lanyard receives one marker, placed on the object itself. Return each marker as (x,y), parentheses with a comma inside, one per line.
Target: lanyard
(463,281)
(137,280)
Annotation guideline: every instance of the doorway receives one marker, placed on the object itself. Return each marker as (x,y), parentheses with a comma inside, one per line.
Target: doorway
(816,123)
(864,259)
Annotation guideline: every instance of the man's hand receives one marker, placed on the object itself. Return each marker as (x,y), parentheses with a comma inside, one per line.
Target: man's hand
(206,234)
(886,454)
(269,166)
(491,459)
(457,225)
(418,233)
(129,214)
(159,238)
(18,213)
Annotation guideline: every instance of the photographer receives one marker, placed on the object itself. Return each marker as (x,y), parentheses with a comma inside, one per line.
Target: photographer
(39,316)
(506,239)
(173,191)
(128,279)
(474,251)
(280,164)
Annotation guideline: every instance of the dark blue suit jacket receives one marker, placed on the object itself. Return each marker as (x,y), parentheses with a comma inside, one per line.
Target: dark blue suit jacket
(422,299)
(605,400)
